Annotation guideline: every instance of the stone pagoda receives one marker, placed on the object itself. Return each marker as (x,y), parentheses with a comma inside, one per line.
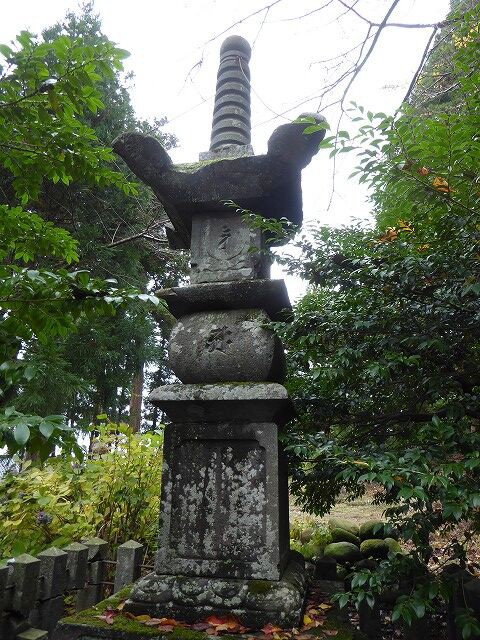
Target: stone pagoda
(224,535)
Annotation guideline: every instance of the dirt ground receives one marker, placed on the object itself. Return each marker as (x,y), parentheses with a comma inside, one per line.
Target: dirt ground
(358,511)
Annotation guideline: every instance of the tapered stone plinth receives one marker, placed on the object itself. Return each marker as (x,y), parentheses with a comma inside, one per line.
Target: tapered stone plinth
(224,539)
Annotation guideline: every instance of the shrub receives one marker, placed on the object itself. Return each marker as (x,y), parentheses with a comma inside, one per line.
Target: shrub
(113,494)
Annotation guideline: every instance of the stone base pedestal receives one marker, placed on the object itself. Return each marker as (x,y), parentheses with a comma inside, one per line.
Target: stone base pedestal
(253,602)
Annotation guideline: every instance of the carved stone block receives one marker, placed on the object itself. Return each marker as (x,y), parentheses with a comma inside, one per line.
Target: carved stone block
(224,248)
(224,508)
(226,346)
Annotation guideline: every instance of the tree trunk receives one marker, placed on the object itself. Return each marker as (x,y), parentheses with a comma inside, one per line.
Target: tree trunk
(136,400)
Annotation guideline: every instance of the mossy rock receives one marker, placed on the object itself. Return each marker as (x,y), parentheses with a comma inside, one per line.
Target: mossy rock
(346,525)
(394,546)
(342,552)
(374,548)
(342,535)
(372,529)
(123,626)
(306,535)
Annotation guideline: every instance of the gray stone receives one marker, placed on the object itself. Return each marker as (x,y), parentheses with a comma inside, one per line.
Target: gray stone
(224,249)
(88,596)
(76,565)
(24,577)
(231,112)
(255,401)
(224,503)
(224,536)
(47,613)
(97,549)
(343,552)
(253,602)
(269,295)
(129,560)
(326,568)
(53,573)
(11,625)
(226,346)
(227,151)
(290,144)
(269,185)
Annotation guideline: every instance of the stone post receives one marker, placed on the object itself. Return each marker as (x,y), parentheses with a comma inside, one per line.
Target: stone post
(129,560)
(92,592)
(77,559)
(223,537)
(53,582)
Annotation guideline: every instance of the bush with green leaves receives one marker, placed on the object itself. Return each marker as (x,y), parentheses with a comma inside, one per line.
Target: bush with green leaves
(49,86)
(113,494)
(384,349)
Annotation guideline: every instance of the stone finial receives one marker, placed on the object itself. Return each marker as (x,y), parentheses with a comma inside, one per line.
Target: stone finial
(231,113)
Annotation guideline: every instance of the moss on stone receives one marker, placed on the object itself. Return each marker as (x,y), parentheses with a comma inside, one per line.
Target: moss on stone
(260,587)
(342,535)
(372,529)
(346,525)
(375,548)
(122,623)
(191,167)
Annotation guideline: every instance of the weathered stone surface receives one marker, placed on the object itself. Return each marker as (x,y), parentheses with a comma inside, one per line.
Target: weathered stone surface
(342,535)
(375,548)
(268,184)
(231,112)
(269,295)
(372,529)
(47,613)
(289,143)
(340,523)
(76,565)
(394,546)
(224,249)
(253,602)
(342,552)
(24,577)
(224,501)
(255,401)
(129,560)
(53,573)
(226,346)
(227,151)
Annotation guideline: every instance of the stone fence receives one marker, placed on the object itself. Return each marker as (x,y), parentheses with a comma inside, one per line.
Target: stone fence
(33,590)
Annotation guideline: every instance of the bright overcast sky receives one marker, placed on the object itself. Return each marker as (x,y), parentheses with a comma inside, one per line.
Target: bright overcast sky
(175,50)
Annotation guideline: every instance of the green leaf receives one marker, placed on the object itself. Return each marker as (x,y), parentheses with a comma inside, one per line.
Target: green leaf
(46,428)
(21,433)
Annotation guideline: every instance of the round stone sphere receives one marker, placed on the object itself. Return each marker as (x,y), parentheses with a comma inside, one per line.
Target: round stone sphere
(226,346)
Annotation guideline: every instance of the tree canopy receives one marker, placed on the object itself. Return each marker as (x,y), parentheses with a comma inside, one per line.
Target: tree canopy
(383,351)
(61,190)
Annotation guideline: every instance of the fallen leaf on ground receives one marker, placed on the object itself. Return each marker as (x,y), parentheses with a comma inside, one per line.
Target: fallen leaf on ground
(200,626)
(108,616)
(270,629)
(170,621)
(166,628)
(153,621)
(143,618)
(330,632)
